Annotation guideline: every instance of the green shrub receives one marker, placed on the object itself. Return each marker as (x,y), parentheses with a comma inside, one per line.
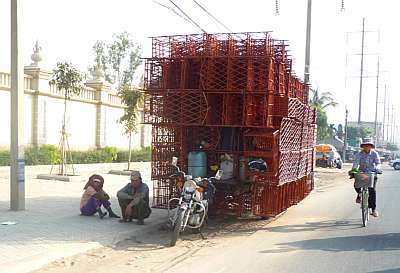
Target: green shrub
(112,152)
(143,154)
(42,155)
(4,158)
(104,155)
(49,154)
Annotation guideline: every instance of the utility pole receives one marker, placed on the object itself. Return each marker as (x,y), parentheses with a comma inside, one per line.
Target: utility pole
(388,118)
(345,136)
(361,72)
(392,125)
(376,105)
(384,116)
(308,45)
(17,168)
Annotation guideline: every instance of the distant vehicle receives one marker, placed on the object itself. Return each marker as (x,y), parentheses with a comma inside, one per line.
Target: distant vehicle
(327,156)
(395,164)
(321,159)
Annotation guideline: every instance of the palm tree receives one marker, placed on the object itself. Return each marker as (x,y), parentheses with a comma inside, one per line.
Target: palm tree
(320,102)
(323,100)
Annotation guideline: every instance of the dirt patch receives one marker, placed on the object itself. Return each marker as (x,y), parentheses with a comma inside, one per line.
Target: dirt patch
(150,252)
(327,177)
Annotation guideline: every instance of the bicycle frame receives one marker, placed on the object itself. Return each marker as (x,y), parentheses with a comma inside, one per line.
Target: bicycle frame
(365,201)
(364,205)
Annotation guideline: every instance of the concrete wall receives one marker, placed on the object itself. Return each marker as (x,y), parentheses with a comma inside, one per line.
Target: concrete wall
(91,121)
(114,132)
(5,118)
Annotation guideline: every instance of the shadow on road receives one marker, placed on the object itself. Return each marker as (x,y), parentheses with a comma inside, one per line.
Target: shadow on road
(379,242)
(394,270)
(322,225)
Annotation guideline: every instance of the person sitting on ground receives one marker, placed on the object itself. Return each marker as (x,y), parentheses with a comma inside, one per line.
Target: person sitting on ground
(94,197)
(134,200)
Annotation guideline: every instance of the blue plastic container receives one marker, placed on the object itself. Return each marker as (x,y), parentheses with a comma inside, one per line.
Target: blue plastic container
(197,164)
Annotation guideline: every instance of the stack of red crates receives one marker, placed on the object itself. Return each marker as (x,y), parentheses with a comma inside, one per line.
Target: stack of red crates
(202,88)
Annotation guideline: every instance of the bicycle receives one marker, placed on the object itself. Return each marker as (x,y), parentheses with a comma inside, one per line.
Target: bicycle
(365,181)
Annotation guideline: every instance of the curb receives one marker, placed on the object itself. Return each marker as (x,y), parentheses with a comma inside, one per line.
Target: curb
(119,172)
(68,178)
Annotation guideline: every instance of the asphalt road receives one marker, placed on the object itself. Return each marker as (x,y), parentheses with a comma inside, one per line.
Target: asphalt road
(321,234)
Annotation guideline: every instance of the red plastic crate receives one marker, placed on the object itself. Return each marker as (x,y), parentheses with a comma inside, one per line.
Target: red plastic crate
(214,74)
(290,135)
(296,109)
(256,110)
(261,140)
(233,110)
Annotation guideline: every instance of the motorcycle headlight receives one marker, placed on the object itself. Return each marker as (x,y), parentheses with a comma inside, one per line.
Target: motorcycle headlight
(187,196)
(190,188)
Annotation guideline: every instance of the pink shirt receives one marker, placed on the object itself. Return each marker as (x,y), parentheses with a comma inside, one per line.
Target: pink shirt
(87,194)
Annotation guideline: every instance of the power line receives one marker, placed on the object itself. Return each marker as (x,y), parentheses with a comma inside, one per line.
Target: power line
(187,16)
(177,13)
(173,10)
(212,16)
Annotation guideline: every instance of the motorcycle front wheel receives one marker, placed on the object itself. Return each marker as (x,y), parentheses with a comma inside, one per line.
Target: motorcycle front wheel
(177,227)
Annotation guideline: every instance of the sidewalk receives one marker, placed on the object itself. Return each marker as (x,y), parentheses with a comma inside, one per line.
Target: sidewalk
(51,227)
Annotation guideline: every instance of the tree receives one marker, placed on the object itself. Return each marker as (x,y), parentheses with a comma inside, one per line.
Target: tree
(120,60)
(332,131)
(322,124)
(323,100)
(392,147)
(132,98)
(355,132)
(66,77)
(340,132)
(320,102)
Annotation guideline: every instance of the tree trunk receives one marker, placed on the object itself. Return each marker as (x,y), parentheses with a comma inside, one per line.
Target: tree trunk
(130,150)
(63,170)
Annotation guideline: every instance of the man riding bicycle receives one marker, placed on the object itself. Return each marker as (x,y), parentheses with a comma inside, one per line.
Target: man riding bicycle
(368,161)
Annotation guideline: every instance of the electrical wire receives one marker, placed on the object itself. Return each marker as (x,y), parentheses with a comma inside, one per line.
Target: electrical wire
(187,16)
(173,10)
(212,16)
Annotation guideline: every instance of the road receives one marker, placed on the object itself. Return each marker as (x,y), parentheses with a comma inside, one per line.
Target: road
(321,234)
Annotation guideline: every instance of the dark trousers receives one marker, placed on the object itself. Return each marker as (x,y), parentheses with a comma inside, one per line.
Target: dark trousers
(140,211)
(371,197)
(92,205)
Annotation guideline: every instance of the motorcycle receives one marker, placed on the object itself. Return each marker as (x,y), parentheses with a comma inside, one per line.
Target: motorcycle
(191,209)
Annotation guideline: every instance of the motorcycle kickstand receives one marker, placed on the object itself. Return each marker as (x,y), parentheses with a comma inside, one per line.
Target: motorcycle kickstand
(201,234)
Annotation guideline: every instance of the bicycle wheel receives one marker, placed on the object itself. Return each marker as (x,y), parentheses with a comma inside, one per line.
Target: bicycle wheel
(364,207)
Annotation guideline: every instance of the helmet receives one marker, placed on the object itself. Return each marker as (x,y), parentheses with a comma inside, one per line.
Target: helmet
(258,165)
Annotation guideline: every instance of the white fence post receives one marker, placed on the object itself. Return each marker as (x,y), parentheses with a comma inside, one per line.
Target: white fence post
(38,82)
(102,87)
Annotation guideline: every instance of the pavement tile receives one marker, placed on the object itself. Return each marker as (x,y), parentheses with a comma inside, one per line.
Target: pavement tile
(51,227)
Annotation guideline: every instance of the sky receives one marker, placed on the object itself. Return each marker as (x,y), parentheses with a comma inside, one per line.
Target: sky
(67,29)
